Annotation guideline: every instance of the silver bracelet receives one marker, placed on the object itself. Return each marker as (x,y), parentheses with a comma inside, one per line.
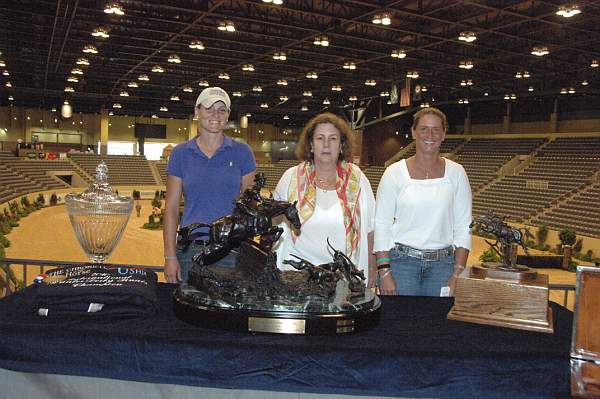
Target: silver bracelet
(170,257)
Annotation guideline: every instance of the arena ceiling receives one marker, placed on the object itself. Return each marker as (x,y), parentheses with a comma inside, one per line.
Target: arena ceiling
(41,42)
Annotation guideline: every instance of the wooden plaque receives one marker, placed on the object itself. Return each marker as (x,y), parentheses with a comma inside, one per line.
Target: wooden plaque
(512,302)
(585,342)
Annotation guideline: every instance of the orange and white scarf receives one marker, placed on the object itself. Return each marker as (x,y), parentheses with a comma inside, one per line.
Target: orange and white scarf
(347,185)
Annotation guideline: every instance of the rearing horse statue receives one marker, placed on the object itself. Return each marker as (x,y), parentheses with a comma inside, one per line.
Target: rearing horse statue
(252,216)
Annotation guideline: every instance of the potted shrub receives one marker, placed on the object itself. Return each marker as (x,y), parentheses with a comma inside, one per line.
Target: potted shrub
(53,199)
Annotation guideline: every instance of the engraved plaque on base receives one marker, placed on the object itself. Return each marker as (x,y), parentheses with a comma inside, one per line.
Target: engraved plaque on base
(495,297)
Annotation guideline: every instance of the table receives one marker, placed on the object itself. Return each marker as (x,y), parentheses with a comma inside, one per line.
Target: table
(413,352)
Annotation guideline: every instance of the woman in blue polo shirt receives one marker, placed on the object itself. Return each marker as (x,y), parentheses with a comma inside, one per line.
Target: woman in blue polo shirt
(211,170)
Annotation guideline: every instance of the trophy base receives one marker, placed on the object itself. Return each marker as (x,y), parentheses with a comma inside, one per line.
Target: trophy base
(194,309)
(520,300)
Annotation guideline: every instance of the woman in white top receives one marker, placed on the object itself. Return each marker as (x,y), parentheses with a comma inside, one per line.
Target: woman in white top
(422,234)
(335,199)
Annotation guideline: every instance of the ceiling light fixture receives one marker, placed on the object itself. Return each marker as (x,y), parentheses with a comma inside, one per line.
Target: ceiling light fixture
(276,2)
(424,89)
(69,89)
(101,32)
(224,76)
(326,101)
(2,63)
(188,89)
(157,68)
(568,10)
(336,88)
(307,93)
(283,98)
(465,64)
(6,73)
(349,65)
(352,98)
(174,98)
(412,74)
(226,26)
(132,84)
(312,75)
(174,58)
(264,105)
(584,83)
(370,82)
(257,88)
(424,105)
(540,51)
(594,64)
(237,94)
(203,83)
(467,36)
(248,67)
(123,93)
(117,105)
(282,82)
(8,84)
(321,40)
(304,108)
(143,78)
(530,88)
(286,117)
(82,61)
(279,56)
(90,49)
(73,79)
(114,8)
(196,45)
(164,109)
(384,94)
(398,53)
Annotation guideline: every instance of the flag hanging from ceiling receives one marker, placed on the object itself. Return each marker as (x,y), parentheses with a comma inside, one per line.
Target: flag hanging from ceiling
(406,93)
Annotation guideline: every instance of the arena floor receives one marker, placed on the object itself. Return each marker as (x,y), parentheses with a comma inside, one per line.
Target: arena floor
(47,235)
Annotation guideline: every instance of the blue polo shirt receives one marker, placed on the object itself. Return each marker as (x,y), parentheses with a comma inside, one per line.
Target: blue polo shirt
(210,185)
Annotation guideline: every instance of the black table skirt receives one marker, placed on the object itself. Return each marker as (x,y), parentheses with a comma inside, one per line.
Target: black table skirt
(414,351)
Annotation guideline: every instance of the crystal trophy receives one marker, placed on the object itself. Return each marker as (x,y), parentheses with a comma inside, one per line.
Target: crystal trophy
(99,216)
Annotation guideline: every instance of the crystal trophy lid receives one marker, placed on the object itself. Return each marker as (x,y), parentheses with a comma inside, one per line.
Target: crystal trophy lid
(99,191)
(99,216)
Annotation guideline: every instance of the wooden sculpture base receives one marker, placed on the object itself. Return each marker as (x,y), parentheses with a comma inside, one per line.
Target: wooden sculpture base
(485,294)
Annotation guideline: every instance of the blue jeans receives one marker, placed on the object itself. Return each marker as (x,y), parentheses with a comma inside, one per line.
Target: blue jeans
(186,262)
(416,277)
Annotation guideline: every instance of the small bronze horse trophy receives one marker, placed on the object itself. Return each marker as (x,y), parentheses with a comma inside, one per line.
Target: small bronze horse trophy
(502,293)
(508,239)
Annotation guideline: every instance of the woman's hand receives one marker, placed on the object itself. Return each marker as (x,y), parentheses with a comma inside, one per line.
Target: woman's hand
(172,271)
(387,285)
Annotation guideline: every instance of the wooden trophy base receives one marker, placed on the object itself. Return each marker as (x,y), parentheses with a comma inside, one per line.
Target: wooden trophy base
(492,295)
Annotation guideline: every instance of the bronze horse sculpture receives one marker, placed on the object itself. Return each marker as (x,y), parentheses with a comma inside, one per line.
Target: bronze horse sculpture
(252,216)
(504,234)
(325,273)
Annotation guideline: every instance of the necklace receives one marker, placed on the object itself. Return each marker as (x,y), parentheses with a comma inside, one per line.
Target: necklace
(325,184)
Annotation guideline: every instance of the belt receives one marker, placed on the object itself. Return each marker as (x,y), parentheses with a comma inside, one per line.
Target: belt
(430,255)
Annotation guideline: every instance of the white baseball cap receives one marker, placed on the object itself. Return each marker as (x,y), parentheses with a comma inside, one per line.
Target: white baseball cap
(211,95)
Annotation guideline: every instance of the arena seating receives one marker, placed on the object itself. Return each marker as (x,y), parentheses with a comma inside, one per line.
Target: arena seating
(161,166)
(483,158)
(122,169)
(554,175)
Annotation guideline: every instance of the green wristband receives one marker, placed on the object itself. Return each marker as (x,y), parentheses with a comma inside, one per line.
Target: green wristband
(383,260)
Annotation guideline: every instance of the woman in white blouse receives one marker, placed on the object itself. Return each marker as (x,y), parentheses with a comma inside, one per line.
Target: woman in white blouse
(335,199)
(423,211)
